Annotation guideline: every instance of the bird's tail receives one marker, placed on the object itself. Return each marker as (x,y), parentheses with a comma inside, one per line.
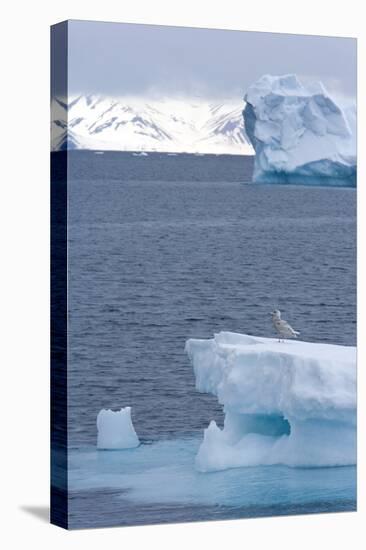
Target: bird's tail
(296,333)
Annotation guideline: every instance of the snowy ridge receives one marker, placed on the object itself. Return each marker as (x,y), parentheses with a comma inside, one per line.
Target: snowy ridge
(291,403)
(299,132)
(134,124)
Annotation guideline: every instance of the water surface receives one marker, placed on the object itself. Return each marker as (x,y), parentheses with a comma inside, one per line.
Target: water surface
(165,248)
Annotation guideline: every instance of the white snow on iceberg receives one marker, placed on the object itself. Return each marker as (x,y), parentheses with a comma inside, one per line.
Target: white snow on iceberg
(115,430)
(291,403)
(299,134)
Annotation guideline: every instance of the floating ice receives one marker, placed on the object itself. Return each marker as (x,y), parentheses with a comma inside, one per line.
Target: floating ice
(299,134)
(115,430)
(291,403)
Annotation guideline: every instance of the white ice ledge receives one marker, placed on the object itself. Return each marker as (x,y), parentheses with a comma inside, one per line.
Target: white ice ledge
(291,403)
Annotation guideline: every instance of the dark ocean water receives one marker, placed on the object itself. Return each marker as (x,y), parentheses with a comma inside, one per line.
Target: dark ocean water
(164,248)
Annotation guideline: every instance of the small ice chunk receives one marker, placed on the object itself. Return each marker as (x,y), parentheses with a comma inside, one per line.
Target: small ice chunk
(115,430)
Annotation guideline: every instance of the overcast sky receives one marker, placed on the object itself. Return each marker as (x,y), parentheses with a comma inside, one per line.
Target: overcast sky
(117,59)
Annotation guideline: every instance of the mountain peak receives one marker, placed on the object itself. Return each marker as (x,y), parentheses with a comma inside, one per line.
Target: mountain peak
(191,125)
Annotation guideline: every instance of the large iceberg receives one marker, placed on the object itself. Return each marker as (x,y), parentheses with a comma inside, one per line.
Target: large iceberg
(115,430)
(300,134)
(291,403)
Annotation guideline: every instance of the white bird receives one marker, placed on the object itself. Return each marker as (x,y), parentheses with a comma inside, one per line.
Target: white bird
(282,327)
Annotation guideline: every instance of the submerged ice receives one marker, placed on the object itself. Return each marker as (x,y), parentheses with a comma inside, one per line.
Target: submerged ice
(299,133)
(115,430)
(163,473)
(291,403)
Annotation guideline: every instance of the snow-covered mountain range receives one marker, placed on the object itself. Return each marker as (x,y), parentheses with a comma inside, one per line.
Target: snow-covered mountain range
(137,124)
